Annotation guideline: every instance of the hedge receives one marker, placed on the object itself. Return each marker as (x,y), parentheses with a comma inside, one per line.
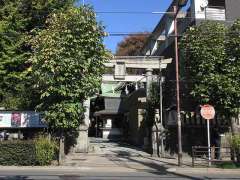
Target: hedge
(27,153)
(18,153)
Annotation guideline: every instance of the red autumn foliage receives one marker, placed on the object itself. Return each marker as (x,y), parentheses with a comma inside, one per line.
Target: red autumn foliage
(132,45)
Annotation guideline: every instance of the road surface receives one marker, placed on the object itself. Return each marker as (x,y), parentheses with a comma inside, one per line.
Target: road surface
(90,174)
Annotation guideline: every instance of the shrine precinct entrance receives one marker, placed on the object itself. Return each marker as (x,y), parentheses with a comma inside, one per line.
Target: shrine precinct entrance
(124,76)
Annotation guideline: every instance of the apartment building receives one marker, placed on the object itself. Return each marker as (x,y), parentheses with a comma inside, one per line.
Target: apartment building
(161,43)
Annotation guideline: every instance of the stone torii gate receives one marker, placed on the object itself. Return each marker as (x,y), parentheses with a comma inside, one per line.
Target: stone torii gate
(145,64)
(122,63)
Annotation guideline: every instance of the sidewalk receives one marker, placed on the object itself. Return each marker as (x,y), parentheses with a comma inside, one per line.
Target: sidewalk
(110,156)
(121,164)
(120,158)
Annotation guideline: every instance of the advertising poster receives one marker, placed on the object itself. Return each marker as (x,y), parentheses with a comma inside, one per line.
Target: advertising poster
(16,119)
(25,119)
(5,120)
(32,119)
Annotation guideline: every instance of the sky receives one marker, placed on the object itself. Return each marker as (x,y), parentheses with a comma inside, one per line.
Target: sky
(125,23)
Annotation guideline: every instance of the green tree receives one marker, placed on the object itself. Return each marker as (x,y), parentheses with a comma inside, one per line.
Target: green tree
(67,65)
(17,19)
(213,77)
(232,66)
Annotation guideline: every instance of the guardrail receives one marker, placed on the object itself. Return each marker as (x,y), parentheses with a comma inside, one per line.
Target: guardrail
(218,154)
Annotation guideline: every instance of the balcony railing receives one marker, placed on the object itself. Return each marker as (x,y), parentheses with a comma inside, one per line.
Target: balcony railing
(215,13)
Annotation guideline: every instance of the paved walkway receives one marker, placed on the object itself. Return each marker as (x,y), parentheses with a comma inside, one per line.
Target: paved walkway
(101,146)
(105,154)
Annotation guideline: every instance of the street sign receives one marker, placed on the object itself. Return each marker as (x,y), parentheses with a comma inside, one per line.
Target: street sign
(207,111)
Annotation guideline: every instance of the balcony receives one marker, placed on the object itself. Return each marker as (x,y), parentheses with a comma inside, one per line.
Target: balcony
(215,13)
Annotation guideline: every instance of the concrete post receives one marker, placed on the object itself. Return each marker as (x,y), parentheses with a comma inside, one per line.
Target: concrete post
(82,140)
(61,155)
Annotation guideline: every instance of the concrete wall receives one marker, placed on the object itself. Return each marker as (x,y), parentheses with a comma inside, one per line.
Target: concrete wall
(196,10)
(232,9)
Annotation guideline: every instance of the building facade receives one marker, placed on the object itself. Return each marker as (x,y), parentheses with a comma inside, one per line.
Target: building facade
(161,43)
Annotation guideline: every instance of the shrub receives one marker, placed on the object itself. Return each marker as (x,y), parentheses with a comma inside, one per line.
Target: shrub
(235,145)
(28,153)
(235,141)
(18,153)
(45,150)
(228,165)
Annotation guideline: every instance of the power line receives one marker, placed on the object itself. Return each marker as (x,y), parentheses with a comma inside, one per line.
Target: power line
(171,35)
(139,34)
(128,34)
(133,12)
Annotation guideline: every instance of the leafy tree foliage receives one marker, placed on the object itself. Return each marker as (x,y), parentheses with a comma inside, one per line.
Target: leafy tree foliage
(214,77)
(232,66)
(17,19)
(67,64)
(131,45)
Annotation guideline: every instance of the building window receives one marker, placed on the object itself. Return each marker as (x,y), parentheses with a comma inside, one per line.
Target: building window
(216,3)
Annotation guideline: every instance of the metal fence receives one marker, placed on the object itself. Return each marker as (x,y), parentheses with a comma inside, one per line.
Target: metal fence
(218,155)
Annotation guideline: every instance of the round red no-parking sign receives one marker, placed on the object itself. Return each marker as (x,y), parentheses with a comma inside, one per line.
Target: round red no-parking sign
(207,111)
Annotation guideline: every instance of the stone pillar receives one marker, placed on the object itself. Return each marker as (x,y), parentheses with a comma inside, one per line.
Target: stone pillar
(86,104)
(158,137)
(82,140)
(148,138)
(149,80)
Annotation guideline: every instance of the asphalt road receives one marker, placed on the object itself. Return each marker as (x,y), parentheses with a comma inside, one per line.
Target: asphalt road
(91,175)
(113,161)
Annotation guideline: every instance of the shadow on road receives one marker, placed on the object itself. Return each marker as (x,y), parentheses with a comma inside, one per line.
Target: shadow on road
(15,178)
(152,167)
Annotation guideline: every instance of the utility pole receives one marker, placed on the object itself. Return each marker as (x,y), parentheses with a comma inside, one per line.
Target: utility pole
(179,124)
(161,106)
(160,91)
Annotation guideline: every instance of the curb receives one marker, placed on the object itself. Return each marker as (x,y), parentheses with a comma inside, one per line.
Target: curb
(77,170)
(203,170)
(65,169)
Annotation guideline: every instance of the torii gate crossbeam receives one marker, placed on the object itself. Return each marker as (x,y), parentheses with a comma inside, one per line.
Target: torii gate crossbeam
(121,63)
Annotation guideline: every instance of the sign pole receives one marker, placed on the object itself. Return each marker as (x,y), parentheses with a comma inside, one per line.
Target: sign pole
(208,113)
(209,143)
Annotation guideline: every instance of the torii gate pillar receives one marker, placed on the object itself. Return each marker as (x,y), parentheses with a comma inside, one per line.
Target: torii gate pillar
(148,137)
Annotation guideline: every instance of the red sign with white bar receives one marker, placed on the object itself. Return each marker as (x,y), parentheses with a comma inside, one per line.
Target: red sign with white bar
(207,111)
